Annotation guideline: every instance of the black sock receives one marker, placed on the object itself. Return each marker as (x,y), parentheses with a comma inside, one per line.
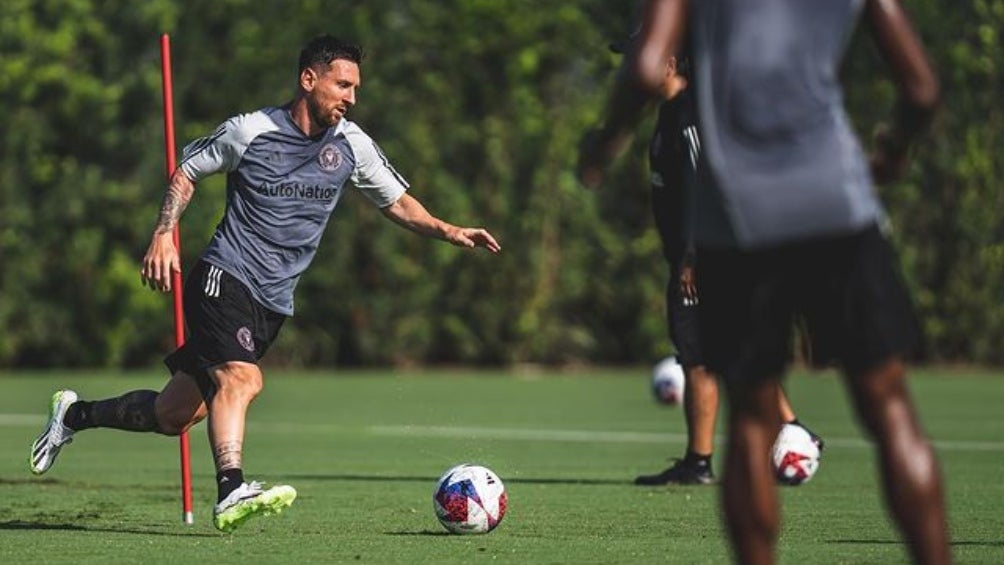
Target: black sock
(78,416)
(698,460)
(133,411)
(227,481)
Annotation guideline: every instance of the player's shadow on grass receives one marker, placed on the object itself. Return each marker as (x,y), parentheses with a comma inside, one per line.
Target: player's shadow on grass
(47,526)
(954,543)
(416,479)
(423,533)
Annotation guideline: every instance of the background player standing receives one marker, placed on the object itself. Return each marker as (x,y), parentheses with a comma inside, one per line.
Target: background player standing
(673,154)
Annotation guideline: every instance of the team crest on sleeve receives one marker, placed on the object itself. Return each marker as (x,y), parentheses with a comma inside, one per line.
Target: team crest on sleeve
(330,157)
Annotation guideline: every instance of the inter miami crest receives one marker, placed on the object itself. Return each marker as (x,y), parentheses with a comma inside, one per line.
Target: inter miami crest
(245,339)
(330,157)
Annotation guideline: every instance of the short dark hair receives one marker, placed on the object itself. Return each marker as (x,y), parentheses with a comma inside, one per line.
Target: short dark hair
(326,48)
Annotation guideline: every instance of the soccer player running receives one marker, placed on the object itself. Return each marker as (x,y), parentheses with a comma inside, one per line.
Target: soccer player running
(788,224)
(673,155)
(286,169)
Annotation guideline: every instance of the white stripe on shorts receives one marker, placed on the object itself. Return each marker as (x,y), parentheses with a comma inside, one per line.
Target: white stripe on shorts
(694,144)
(213,282)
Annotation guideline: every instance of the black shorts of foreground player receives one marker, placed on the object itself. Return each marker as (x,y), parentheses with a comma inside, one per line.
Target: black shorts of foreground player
(286,168)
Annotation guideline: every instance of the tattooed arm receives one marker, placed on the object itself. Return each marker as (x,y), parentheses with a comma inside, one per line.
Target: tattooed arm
(161,260)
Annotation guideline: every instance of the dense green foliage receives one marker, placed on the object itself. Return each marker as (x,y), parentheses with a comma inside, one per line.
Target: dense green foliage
(364,449)
(480,104)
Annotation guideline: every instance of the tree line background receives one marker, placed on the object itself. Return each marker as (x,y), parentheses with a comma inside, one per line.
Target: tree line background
(481,105)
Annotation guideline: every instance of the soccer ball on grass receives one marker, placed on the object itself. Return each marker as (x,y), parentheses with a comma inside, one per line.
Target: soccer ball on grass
(469,499)
(795,456)
(668,382)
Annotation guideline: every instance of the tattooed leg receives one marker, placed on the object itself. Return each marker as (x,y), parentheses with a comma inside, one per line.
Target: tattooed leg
(227,456)
(237,386)
(229,474)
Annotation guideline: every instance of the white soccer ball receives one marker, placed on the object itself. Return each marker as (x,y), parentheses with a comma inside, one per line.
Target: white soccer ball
(795,456)
(668,381)
(469,499)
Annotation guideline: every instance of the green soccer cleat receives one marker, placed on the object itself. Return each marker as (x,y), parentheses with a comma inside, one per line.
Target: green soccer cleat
(251,500)
(45,449)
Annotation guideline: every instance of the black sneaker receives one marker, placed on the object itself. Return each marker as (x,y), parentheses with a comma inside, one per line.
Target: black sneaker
(680,473)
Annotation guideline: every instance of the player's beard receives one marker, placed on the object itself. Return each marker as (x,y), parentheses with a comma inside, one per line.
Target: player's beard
(319,116)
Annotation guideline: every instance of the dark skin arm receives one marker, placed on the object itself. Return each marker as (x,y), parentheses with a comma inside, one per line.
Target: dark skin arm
(625,109)
(917,87)
(659,39)
(640,81)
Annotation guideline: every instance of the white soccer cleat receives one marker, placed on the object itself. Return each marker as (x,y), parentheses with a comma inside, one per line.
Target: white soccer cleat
(56,435)
(250,500)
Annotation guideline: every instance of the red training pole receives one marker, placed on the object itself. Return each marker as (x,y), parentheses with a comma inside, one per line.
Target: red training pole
(176,285)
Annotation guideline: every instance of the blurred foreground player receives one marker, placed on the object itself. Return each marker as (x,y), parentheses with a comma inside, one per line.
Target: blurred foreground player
(789,225)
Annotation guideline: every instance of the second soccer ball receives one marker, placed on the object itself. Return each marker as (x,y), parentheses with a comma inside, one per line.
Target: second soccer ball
(668,382)
(795,456)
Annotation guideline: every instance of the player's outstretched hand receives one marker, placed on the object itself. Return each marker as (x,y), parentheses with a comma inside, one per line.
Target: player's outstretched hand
(474,237)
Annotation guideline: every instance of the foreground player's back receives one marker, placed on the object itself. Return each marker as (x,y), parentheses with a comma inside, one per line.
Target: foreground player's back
(783,158)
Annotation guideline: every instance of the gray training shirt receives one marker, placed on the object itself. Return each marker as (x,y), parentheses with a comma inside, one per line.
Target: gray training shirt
(281,189)
(781,162)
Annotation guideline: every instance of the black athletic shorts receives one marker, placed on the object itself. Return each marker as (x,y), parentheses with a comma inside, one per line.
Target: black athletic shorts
(684,324)
(225,323)
(847,291)
(682,319)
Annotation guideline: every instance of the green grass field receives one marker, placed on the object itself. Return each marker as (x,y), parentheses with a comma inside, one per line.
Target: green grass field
(364,450)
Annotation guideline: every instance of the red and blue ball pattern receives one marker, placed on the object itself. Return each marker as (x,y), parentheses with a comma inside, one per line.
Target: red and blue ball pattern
(460,500)
(792,470)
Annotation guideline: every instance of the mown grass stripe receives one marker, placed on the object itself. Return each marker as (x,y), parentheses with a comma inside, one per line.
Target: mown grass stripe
(517,434)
